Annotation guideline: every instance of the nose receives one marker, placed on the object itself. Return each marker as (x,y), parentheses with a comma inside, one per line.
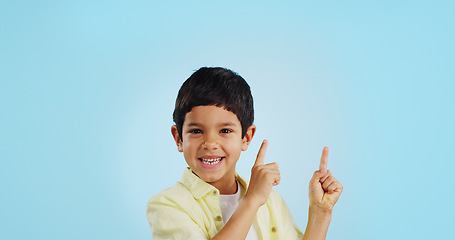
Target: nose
(211,142)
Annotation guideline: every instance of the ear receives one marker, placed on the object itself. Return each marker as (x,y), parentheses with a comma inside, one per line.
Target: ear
(248,137)
(177,139)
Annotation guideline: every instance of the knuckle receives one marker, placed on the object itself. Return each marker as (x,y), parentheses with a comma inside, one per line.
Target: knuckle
(262,171)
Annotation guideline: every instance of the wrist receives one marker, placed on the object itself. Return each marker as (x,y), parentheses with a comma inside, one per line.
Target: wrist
(250,202)
(317,212)
(318,223)
(320,208)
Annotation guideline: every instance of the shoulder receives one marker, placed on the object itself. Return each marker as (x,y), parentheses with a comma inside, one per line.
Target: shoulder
(170,196)
(275,198)
(171,204)
(173,214)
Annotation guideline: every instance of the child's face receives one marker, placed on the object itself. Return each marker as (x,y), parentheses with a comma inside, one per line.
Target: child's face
(212,142)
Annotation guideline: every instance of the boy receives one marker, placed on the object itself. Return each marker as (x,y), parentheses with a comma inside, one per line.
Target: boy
(213,118)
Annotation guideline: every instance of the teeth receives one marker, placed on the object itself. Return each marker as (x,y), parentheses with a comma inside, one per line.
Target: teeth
(211,161)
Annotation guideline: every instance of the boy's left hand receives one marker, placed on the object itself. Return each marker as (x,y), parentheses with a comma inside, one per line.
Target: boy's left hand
(324,188)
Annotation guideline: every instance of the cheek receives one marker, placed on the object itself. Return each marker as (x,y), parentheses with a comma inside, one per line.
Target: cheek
(233,147)
(191,146)
(187,146)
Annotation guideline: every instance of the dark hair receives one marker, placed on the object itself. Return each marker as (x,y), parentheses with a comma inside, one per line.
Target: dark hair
(216,86)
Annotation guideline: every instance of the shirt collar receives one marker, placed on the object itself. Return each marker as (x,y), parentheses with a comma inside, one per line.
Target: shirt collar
(199,188)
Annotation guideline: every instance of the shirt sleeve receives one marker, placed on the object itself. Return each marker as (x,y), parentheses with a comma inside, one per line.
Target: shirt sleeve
(290,228)
(169,222)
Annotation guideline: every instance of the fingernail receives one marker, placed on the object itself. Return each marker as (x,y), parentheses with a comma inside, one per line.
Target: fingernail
(324,171)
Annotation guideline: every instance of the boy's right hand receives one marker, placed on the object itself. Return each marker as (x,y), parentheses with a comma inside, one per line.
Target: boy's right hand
(263,178)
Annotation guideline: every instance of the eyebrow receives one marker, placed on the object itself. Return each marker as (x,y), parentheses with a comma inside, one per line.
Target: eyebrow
(193,124)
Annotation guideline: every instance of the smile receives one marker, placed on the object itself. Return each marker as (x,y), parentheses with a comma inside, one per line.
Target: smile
(211,161)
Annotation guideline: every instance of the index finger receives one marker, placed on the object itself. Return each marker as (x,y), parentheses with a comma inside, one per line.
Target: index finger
(324,158)
(261,154)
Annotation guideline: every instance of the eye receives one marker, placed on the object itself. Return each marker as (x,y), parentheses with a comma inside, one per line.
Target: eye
(226,130)
(195,131)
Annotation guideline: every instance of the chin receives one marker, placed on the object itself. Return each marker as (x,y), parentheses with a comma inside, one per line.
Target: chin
(210,178)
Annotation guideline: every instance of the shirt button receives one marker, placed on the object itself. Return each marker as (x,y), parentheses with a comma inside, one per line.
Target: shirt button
(218,218)
(214,192)
(274,229)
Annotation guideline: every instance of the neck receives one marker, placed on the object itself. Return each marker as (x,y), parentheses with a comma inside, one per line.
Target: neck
(226,188)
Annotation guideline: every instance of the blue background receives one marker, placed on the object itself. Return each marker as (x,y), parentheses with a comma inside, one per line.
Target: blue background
(88,87)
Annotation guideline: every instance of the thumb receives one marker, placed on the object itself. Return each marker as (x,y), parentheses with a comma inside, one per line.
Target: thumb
(261,154)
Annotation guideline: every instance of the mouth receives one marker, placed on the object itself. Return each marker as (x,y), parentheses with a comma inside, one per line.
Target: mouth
(211,161)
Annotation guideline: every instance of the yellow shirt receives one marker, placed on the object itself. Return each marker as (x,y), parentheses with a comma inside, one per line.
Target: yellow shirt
(191,210)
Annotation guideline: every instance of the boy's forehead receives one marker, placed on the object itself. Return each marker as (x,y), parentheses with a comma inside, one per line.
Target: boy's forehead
(205,115)
(200,124)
